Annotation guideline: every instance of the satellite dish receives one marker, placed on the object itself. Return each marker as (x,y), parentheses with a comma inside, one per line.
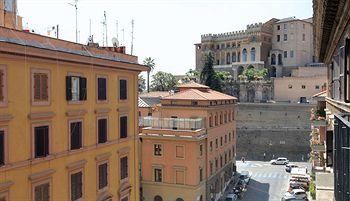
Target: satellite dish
(115,42)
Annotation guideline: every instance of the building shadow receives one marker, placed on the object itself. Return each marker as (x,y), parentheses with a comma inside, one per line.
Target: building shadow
(257,191)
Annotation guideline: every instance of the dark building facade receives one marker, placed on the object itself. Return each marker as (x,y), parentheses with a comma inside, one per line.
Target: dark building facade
(332,46)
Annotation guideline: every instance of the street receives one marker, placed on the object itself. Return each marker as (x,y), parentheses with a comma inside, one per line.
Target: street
(268,182)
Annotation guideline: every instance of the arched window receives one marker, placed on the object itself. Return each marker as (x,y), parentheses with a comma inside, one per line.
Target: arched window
(252,54)
(233,57)
(238,57)
(228,58)
(279,59)
(273,59)
(158,198)
(240,70)
(179,199)
(244,55)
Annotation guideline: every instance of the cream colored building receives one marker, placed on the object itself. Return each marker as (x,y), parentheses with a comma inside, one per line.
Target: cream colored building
(301,86)
(292,45)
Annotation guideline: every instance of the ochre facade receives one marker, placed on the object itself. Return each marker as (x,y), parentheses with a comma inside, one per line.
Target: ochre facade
(24,109)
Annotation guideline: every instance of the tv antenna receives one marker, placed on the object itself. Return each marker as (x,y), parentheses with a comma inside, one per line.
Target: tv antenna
(117,29)
(132,36)
(75,5)
(104,23)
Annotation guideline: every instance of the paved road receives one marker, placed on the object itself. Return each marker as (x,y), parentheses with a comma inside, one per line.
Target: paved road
(268,182)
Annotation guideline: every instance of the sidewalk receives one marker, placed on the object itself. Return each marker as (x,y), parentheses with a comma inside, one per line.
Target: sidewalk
(231,185)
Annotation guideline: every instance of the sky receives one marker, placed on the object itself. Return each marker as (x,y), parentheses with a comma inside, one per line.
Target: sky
(165,30)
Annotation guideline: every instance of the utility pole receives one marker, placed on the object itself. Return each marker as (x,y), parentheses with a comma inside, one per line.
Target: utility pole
(132,36)
(75,5)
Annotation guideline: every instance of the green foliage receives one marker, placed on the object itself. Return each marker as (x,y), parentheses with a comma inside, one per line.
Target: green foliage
(312,190)
(224,75)
(163,81)
(148,61)
(253,74)
(142,83)
(191,75)
(208,75)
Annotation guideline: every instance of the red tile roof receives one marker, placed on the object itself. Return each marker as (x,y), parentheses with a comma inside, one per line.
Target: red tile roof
(155,94)
(195,94)
(193,85)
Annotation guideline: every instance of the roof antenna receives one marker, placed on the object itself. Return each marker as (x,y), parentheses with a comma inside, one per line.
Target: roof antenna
(75,5)
(132,36)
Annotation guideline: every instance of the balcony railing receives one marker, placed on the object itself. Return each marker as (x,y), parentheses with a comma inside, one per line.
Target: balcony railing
(172,123)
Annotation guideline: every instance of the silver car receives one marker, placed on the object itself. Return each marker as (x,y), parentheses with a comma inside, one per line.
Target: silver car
(279,161)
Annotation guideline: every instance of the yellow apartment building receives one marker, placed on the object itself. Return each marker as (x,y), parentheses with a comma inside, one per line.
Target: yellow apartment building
(68,120)
(188,146)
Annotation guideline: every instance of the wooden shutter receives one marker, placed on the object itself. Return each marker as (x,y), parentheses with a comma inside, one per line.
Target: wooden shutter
(2,85)
(123,89)
(44,86)
(102,88)
(76,135)
(102,130)
(69,88)
(123,127)
(76,186)
(2,148)
(102,175)
(124,167)
(82,88)
(37,86)
(46,141)
(42,192)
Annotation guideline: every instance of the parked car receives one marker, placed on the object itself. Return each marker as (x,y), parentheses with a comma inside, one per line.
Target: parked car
(295,194)
(294,185)
(245,176)
(231,197)
(289,167)
(279,161)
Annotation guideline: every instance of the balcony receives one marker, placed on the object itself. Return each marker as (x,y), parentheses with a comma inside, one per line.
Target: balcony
(172,123)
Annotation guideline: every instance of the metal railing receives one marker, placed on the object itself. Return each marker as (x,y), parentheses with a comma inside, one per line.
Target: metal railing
(172,123)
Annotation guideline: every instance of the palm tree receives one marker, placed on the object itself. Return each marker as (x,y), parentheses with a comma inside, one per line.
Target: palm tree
(148,61)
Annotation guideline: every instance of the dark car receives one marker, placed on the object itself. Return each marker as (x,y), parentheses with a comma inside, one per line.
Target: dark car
(289,167)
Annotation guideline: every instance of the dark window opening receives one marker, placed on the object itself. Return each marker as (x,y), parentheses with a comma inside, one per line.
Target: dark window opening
(102,88)
(76,135)
(124,168)
(41,135)
(102,130)
(123,90)
(123,127)
(102,176)
(76,186)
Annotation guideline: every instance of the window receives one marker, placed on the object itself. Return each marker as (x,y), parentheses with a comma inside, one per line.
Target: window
(102,130)
(200,174)
(179,177)
(229,137)
(3,88)
(76,88)
(158,150)
(278,27)
(221,118)
(2,148)
(201,150)
(290,86)
(244,55)
(225,158)
(76,186)
(41,141)
(303,86)
(210,121)
(41,192)
(101,88)
(284,26)
(123,84)
(303,26)
(123,127)
(285,37)
(158,175)
(211,146)
(221,162)
(40,83)
(291,54)
(221,141)
(216,143)
(124,172)
(225,138)
(278,38)
(252,54)
(180,152)
(158,198)
(216,164)
(285,54)
(317,87)
(217,47)
(76,135)
(194,103)
(102,176)
(303,37)
(211,167)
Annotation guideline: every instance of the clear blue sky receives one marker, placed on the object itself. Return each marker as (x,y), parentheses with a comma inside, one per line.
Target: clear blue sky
(164,29)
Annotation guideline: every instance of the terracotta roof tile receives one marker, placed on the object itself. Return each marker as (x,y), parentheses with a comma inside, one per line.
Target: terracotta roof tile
(155,94)
(195,94)
(193,85)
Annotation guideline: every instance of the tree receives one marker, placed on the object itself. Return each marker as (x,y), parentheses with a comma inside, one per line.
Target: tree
(148,61)
(142,83)
(191,75)
(208,75)
(163,81)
